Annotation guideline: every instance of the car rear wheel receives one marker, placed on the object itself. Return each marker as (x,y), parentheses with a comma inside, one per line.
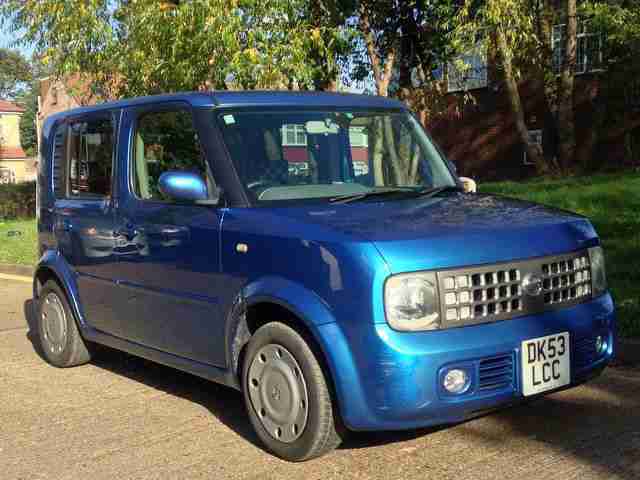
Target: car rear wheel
(60,339)
(287,395)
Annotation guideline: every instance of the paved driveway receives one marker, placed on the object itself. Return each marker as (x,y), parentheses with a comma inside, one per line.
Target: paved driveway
(122,417)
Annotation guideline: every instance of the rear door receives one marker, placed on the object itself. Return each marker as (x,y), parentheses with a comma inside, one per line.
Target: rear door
(169,253)
(84,210)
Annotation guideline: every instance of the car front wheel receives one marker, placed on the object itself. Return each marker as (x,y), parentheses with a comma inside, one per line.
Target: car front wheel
(287,395)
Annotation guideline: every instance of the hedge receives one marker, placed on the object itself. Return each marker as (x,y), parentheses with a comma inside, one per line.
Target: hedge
(17,200)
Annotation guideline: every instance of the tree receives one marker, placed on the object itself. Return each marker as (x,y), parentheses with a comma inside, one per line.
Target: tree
(125,48)
(566,82)
(29,101)
(509,25)
(403,44)
(617,98)
(14,72)
(522,35)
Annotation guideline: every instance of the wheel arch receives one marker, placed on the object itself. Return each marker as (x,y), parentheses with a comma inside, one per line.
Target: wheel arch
(263,310)
(53,267)
(277,299)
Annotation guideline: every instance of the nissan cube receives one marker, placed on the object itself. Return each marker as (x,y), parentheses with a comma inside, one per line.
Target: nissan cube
(317,253)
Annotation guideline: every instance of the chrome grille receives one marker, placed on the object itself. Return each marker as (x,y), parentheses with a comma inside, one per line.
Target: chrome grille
(566,279)
(495,373)
(481,294)
(498,292)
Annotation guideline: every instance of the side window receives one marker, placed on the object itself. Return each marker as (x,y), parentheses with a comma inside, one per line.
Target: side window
(165,141)
(90,157)
(59,164)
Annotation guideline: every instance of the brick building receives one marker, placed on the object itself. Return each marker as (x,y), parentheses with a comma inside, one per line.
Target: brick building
(480,136)
(15,166)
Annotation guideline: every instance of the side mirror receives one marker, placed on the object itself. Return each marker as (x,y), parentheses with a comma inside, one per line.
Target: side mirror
(183,186)
(469,184)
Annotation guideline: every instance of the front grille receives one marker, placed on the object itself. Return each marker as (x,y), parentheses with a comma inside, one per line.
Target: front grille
(565,280)
(498,292)
(496,373)
(481,294)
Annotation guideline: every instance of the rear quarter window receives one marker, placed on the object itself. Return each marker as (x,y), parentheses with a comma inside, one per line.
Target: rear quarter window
(90,154)
(59,162)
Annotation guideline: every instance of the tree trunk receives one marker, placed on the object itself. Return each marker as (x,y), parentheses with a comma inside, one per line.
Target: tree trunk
(377,152)
(381,72)
(547,79)
(566,120)
(534,154)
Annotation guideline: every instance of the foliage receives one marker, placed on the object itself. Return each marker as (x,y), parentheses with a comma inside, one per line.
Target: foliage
(127,48)
(17,200)
(18,242)
(29,101)
(402,44)
(14,71)
(597,197)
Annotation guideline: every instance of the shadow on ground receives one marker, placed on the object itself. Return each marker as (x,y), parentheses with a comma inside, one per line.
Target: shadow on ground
(599,423)
(225,403)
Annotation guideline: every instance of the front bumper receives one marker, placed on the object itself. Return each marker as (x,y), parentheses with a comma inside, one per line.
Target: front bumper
(389,380)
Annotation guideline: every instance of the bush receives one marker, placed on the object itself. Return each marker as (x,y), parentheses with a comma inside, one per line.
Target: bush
(17,200)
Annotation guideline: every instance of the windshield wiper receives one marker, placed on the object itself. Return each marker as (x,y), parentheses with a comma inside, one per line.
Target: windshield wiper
(424,192)
(351,197)
(433,191)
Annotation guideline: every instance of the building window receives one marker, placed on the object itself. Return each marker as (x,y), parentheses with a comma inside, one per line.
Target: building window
(294,135)
(535,139)
(468,71)
(7,176)
(589,48)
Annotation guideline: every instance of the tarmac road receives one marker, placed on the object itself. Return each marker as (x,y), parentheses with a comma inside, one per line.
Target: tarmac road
(121,417)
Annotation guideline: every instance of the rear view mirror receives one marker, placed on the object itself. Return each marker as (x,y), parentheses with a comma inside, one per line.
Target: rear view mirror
(183,186)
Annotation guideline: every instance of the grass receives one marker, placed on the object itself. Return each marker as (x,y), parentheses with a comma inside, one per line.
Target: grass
(612,202)
(18,248)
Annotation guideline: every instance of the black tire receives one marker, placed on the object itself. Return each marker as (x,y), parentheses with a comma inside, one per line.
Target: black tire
(321,432)
(67,349)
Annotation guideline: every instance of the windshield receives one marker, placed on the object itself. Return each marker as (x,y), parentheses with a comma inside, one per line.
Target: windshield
(300,155)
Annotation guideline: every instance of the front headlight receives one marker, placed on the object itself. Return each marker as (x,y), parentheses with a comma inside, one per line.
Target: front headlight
(598,274)
(411,302)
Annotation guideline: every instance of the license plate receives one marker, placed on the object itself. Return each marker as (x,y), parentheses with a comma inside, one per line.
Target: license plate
(546,363)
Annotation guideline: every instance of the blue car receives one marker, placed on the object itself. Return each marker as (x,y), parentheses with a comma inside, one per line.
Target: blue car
(382,297)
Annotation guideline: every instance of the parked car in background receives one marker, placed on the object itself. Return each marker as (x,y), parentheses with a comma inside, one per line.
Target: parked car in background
(376,295)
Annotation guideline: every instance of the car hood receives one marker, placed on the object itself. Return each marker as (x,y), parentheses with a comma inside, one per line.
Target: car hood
(454,230)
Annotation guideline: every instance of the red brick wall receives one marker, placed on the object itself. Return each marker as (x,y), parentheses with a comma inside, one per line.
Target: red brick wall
(481,139)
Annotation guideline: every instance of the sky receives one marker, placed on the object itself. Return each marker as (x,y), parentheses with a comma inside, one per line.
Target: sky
(7,38)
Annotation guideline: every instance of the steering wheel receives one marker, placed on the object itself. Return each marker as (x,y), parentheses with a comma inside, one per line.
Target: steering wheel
(259,186)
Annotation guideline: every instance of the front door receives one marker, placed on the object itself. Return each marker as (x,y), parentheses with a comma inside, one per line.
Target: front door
(169,258)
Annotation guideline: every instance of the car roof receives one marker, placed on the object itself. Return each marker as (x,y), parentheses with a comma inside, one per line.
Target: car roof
(241,99)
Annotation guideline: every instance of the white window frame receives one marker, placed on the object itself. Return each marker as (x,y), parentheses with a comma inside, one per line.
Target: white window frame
(535,138)
(360,133)
(583,35)
(296,129)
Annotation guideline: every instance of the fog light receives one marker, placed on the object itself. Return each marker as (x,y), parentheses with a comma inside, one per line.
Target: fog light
(601,344)
(456,381)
